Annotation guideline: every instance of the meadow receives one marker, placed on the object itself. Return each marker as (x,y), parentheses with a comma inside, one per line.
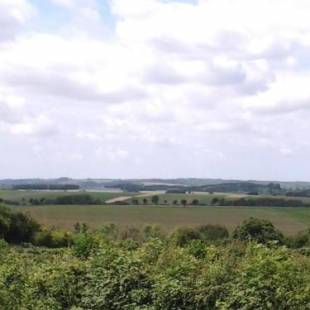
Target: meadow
(140,211)
(288,220)
(20,195)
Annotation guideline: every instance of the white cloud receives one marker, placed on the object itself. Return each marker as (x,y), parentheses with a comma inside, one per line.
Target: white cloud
(179,89)
(13,16)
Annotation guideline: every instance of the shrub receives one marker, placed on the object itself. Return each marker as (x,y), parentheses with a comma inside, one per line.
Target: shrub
(110,231)
(84,244)
(197,248)
(17,227)
(301,240)
(182,236)
(268,279)
(152,231)
(5,221)
(22,228)
(131,233)
(3,245)
(53,238)
(213,232)
(259,230)
(118,280)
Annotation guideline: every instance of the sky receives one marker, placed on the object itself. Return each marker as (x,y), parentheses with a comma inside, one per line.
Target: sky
(153,88)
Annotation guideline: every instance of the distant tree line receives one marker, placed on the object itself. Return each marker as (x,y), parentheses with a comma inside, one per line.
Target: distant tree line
(77,199)
(40,186)
(234,187)
(259,202)
(299,193)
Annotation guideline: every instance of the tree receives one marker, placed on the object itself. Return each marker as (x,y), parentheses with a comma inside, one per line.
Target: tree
(183,202)
(155,199)
(22,228)
(145,201)
(259,230)
(195,202)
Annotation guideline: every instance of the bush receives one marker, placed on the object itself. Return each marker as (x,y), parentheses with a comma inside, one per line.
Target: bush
(17,227)
(131,233)
(118,280)
(22,228)
(301,240)
(3,245)
(268,279)
(53,239)
(197,248)
(182,236)
(110,231)
(213,232)
(155,274)
(152,231)
(84,244)
(258,230)
(5,221)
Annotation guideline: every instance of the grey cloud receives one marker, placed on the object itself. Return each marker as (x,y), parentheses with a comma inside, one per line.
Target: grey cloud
(51,83)
(284,107)
(163,74)
(217,75)
(12,18)
(170,45)
(7,114)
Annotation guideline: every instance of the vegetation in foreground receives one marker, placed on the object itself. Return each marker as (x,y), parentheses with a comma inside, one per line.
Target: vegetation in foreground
(112,268)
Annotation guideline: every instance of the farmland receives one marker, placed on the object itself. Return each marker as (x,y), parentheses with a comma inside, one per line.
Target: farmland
(20,195)
(168,212)
(289,220)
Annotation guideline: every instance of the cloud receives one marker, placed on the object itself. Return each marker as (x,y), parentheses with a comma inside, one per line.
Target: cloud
(177,89)
(68,4)
(13,16)
(38,126)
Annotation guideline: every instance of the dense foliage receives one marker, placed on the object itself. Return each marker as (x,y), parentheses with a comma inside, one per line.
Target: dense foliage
(42,186)
(260,202)
(131,268)
(17,227)
(76,199)
(155,274)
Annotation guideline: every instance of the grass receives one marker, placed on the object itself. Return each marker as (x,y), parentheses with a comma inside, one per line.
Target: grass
(206,198)
(288,220)
(18,195)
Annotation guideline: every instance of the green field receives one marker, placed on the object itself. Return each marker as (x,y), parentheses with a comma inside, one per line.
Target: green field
(289,220)
(166,214)
(19,195)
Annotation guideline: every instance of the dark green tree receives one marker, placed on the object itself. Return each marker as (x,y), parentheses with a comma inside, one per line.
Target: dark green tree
(258,230)
(155,199)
